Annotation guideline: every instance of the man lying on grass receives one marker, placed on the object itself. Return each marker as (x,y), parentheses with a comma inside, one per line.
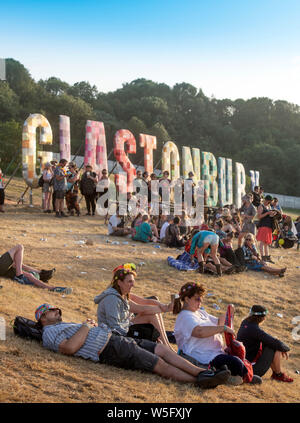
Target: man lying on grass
(100,344)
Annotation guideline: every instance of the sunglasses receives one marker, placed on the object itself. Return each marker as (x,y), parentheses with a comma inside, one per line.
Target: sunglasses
(248,239)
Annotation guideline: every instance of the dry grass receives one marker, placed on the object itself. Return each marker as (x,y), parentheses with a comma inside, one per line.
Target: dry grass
(29,373)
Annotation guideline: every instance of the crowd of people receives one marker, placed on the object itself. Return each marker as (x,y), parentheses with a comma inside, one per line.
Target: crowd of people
(130,332)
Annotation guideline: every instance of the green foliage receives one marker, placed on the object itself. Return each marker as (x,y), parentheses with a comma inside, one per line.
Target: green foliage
(261,133)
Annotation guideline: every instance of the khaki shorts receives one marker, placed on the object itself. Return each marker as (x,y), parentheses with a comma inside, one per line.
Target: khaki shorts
(5,263)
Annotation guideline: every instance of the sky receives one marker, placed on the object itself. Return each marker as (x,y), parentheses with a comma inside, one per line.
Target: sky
(228,48)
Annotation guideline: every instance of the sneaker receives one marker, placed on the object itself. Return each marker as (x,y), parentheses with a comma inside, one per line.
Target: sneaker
(57,214)
(230,270)
(46,275)
(62,214)
(88,214)
(256,380)
(281,377)
(22,280)
(63,290)
(234,380)
(210,379)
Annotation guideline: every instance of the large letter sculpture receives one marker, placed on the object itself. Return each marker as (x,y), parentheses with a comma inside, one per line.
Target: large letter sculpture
(191,162)
(225,181)
(148,142)
(209,175)
(240,184)
(124,137)
(64,137)
(171,160)
(95,146)
(29,146)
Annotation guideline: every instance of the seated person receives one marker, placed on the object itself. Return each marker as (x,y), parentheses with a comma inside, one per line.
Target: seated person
(166,221)
(218,225)
(116,305)
(143,231)
(116,225)
(154,228)
(226,251)
(199,334)
(184,227)
(172,236)
(262,350)
(99,344)
(11,266)
(253,261)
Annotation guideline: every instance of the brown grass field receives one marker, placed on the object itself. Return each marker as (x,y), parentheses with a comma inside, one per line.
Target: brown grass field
(29,373)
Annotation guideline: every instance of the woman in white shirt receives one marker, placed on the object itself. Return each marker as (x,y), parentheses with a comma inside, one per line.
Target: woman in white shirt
(199,334)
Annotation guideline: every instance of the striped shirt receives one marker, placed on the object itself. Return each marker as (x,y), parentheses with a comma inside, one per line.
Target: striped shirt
(97,337)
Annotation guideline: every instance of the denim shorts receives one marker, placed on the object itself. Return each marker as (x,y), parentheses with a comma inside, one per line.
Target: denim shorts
(129,353)
(254,266)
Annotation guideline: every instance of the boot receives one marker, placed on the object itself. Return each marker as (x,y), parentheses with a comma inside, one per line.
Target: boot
(219,270)
(201,266)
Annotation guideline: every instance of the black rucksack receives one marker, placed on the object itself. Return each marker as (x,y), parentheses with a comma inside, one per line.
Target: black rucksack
(41,181)
(26,328)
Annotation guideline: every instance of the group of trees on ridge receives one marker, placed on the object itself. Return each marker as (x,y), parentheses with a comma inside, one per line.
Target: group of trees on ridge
(260,133)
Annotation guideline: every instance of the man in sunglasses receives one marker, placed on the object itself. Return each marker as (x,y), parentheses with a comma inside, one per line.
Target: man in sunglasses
(101,345)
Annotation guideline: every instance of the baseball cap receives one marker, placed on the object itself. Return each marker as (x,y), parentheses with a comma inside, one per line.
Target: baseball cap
(43,308)
(268,197)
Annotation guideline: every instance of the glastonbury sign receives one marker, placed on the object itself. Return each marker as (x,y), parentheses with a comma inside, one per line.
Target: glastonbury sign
(216,175)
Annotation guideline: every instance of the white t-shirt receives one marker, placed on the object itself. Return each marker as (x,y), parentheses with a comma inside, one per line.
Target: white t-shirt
(113,223)
(163,230)
(202,349)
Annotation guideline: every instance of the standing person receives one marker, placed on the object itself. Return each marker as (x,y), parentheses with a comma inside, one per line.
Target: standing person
(47,188)
(53,167)
(266,227)
(88,189)
(2,194)
(72,190)
(60,187)
(164,190)
(248,212)
(102,188)
(256,197)
(137,182)
(99,344)
(262,350)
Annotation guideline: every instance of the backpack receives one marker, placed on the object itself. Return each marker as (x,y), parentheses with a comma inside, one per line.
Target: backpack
(26,328)
(41,181)
(237,348)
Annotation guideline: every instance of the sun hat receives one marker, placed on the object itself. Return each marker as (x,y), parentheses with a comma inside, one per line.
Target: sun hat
(43,308)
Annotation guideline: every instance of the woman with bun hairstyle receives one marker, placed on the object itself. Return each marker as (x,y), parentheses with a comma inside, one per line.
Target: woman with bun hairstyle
(200,335)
